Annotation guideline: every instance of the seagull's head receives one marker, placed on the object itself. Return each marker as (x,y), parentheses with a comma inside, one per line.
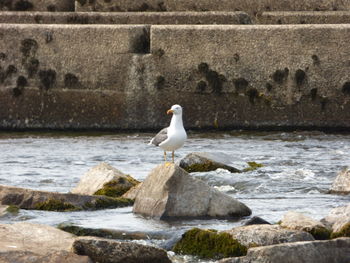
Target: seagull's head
(175,109)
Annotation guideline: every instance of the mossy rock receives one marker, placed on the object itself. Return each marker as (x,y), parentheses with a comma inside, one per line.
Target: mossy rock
(207,166)
(209,244)
(320,233)
(344,232)
(108,202)
(118,187)
(252,166)
(56,205)
(81,231)
(13,209)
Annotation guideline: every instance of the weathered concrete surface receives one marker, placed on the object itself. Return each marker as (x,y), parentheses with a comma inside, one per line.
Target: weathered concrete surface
(304,17)
(90,77)
(264,235)
(152,18)
(37,5)
(42,200)
(250,6)
(170,192)
(110,251)
(330,251)
(341,184)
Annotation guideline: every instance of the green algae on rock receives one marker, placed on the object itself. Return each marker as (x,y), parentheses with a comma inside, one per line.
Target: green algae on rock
(13,209)
(118,187)
(56,205)
(108,202)
(209,244)
(252,166)
(320,233)
(343,232)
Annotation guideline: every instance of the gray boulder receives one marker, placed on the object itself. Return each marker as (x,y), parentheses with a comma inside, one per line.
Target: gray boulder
(104,179)
(204,162)
(170,192)
(110,251)
(339,220)
(53,201)
(51,257)
(132,192)
(264,235)
(297,221)
(341,184)
(329,251)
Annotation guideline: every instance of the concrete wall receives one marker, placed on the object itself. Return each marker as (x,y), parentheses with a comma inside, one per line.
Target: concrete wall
(325,17)
(249,6)
(37,5)
(124,18)
(126,77)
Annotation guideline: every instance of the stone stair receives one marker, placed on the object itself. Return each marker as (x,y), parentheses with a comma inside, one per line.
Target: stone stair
(119,64)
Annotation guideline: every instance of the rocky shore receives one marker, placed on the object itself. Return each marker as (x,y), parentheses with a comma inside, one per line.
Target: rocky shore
(168,193)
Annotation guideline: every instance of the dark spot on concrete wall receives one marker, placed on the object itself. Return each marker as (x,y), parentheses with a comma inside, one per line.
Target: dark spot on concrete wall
(215,81)
(300,77)
(201,86)
(75,19)
(160,82)
(315,59)
(2,56)
(313,93)
(23,5)
(240,84)
(6,4)
(324,101)
(22,82)
(159,52)
(346,88)
(29,47)
(92,2)
(280,76)
(279,21)
(2,75)
(236,57)
(253,94)
(38,19)
(268,86)
(162,7)
(48,37)
(32,67)
(47,78)
(71,81)
(51,8)
(142,43)
(17,91)
(11,69)
(107,1)
(203,68)
(82,2)
(244,19)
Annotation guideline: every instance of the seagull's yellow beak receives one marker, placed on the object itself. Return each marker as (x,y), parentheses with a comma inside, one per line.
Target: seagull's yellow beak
(169,111)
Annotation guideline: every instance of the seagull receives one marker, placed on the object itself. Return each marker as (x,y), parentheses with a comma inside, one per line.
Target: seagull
(172,137)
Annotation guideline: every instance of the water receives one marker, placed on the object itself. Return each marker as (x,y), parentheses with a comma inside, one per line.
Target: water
(299,169)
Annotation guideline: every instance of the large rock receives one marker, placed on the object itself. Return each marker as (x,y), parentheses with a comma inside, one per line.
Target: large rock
(52,201)
(110,251)
(297,221)
(341,184)
(330,251)
(339,220)
(132,192)
(264,235)
(51,257)
(204,162)
(170,192)
(103,179)
(39,239)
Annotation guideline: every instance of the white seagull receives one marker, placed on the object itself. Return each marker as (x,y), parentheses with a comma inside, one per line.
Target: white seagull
(174,136)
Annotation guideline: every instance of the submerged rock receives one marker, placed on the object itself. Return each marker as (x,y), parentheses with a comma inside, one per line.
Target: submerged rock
(110,251)
(170,192)
(104,179)
(204,162)
(341,184)
(264,235)
(52,201)
(329,251)
(298,221)
(255,220)
(211,244)
(339,220)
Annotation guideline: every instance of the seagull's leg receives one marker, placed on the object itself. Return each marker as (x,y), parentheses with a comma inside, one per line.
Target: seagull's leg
(164,156)
(173,155)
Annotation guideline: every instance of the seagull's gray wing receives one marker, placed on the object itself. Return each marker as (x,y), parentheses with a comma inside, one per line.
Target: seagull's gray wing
(160,137)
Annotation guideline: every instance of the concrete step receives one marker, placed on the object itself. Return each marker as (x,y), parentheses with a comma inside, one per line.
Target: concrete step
(125,18)
(126,76)
(37,5)
(250,6)
(298,17)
